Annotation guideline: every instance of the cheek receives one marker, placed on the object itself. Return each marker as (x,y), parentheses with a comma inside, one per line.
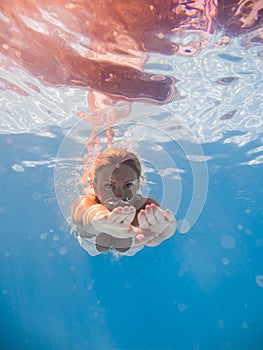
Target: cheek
(135,189)
(100,191)
(131,192)
(104,194)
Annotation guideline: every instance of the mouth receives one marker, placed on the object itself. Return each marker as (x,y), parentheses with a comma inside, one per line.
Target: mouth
(117,202)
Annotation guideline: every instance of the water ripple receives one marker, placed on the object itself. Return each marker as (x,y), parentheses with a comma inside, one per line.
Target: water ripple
(218,77)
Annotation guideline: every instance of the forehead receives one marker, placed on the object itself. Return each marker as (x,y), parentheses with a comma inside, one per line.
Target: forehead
(122,172)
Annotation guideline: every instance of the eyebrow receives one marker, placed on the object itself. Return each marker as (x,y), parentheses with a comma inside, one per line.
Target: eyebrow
(112,182)
(130,180)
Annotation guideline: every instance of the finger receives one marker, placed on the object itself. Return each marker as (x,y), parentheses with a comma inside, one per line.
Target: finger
(129,218)
(115,215)
(127,215)
(159,215)
(169,215)
(120,218)
(123,215)
(143,223)
(128,210)
(125,210)
(131,211)
(149,215)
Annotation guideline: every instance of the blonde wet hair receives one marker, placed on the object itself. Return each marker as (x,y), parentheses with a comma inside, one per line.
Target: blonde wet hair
(113,157)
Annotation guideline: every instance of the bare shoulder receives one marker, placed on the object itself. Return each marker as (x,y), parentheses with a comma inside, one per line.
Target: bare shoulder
(80,206)
(86,201)
(151,201)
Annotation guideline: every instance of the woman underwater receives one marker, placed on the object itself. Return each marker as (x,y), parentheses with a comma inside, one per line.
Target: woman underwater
(115,216)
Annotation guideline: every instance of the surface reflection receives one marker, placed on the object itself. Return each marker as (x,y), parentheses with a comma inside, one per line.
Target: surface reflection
(104,45)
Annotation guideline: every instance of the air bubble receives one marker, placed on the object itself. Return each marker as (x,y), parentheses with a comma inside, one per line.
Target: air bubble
(89,286)
(259,242)
(63,251)
(228,242)
(36,196)
(157,148)
(180,273)
(248,231)
(18,168)
(226,80)
(182,307)
(225,261)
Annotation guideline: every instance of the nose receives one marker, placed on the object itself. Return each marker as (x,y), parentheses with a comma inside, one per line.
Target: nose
(119,193)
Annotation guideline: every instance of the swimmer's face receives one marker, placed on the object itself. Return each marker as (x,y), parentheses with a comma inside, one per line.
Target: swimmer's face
(116,186)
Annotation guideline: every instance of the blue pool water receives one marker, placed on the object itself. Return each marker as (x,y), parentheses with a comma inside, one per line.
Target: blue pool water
(202,289)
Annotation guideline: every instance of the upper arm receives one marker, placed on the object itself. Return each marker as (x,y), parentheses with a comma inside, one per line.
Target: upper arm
(79,207)
(85,210)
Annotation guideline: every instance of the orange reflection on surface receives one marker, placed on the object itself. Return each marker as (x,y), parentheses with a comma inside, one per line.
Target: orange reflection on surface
(103,45)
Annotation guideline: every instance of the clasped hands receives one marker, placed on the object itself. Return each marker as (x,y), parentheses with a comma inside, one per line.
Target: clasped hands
(154,224)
